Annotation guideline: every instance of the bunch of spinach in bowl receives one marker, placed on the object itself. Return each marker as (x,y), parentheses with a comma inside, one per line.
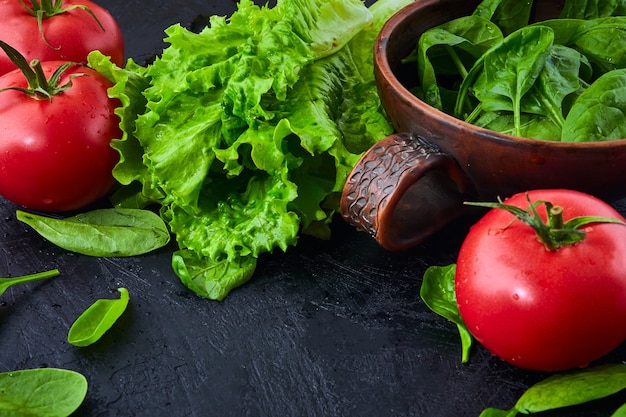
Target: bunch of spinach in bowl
(562,79)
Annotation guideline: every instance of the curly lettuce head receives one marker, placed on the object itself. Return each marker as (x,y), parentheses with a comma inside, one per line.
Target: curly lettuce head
(245,132)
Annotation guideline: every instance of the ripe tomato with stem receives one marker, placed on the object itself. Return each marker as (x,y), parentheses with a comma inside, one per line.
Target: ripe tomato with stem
(56,125)
(545,289)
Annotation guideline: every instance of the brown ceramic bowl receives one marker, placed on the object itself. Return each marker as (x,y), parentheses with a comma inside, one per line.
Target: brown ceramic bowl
(412,183)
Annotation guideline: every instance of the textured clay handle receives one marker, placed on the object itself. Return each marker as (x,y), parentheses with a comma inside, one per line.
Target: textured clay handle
(403,190)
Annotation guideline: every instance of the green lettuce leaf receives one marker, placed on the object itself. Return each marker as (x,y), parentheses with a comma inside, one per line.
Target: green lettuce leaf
(245,132)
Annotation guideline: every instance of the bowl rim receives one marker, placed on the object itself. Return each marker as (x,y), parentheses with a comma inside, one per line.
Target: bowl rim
(383,67)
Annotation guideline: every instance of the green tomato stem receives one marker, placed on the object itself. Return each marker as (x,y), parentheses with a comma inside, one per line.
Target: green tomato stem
(556,217)
(556,233)
(38,86)
(45,9)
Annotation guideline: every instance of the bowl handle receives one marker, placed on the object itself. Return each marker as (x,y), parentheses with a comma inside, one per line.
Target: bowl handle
(402,190)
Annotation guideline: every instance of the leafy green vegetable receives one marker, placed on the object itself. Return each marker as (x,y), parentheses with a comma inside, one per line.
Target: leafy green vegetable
(437,292)
(509,15)
(245,132)
(94,322)
(603,41)
(541,108)
(591,9)
(103,232)
(599,113)
(5,283)
(215,279)
(42,392)
(531,126)
(444,48)
(559,78)
(511,68)
(568,389)
(527,82)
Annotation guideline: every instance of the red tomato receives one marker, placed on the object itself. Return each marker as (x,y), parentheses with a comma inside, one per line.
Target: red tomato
(70,35)
(540,309)
(55,154)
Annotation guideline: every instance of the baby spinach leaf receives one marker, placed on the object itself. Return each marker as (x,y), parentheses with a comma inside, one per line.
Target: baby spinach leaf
(42,392)
(437,292)
(603,42)
(512,67)
(5,283)
(487,8)
(565,30)
(94,322)
(451,49)
(591,9)
(509,15)
(558,78)
(573,388)
(568,389)
(599,113)
(494,412)
(531,126)
(103,232)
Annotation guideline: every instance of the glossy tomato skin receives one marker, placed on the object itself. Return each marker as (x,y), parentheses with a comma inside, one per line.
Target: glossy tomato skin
(543,310)
(71,35)
(55,155)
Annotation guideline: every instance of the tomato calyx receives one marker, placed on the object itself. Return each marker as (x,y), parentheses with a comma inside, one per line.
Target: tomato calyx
(553,233)
(39,87)
(44,9)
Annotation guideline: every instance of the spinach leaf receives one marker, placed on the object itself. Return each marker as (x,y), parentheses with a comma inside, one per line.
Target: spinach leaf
(509,15)
(103,232)
(437,292)
(600,40)
(531,125)
(5,283)
(511,68)
(565,30)
(558,78)
(94,322)
(42,392)
(600,111)
(603,41)
(573,388)
(528,83)
(568,389)
(450,49)
(591,9)
(494,412)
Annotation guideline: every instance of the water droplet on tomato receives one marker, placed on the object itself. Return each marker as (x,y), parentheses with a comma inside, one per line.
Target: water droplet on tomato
(516,297)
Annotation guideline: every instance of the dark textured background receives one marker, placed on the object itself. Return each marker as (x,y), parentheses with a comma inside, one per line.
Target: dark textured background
(330,328)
